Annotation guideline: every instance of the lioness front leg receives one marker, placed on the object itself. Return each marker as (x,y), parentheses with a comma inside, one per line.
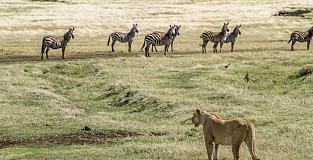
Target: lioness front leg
(215,154)
(209,148)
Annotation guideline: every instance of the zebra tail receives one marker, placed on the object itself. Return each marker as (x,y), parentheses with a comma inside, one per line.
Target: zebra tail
(289,40)
(43,47)
(144,43)
(109,41)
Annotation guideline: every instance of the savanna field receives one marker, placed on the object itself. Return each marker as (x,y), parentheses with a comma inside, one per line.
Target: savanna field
(139,107)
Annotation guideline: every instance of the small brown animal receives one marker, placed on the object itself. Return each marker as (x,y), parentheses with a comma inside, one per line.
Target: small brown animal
(225,132)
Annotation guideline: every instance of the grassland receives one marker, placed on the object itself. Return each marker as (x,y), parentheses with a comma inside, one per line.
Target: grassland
(148,102)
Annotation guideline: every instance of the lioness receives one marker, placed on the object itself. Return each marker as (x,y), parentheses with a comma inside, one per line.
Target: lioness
(225,132)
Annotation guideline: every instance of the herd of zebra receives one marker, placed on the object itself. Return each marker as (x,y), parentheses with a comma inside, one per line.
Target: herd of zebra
(167,38)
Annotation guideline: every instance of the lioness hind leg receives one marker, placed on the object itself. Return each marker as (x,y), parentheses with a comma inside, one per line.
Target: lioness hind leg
(251,147)
(235,149)
(215,154)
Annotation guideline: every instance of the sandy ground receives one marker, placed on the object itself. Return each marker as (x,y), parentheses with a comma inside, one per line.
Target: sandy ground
(24,22)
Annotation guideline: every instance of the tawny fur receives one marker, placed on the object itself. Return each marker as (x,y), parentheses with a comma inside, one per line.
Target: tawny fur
(225,132)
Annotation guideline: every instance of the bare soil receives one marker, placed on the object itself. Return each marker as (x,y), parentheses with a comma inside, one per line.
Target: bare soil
(76,138)
(38,58)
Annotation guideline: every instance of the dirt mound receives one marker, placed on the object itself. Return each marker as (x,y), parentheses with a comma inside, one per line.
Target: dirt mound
(76,138)
(292,13)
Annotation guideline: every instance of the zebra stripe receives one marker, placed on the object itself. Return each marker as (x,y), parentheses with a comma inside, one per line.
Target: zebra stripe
(177,32)
(56,43)
(301,37)
(232,37)
(158,39)
(123,37)
(215,37)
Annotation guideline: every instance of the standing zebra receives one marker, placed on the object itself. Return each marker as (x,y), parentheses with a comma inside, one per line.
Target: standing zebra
(159,40)
(215,37)
(301,37)
(177,30)
(56,42)
(232,37)
(124,37)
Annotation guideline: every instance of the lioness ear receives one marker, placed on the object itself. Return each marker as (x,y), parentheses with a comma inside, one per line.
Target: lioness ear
(198,111)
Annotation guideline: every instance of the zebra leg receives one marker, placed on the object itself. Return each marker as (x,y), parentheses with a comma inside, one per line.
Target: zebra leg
(221,46)
(43,47)
(166,49)
(293,42)
(308,45)
(47,50)
(215,47)
(232,46)
(205,42)
(63,51)
(129,46)
(172,46)
(113,44)
(147,50)
(155,48)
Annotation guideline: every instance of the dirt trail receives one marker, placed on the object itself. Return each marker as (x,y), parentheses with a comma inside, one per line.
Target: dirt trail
(37,58)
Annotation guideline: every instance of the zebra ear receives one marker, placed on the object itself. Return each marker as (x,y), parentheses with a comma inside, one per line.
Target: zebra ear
(227,23)
(136,24)
(73,29)
(239,25)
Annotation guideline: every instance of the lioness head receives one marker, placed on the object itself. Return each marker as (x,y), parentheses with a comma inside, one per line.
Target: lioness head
(196,118)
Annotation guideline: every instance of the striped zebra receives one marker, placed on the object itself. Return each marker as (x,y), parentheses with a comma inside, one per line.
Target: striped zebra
(159,40)
(177,32)
(123,37)
(301,37)
(215,37)
(56,42)
(232,37)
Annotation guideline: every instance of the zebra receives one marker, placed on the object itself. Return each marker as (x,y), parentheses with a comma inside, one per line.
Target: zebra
(215,37)
(232,37)
(301,37)
(124,37)
(56,42)
(177,32)
(159,40)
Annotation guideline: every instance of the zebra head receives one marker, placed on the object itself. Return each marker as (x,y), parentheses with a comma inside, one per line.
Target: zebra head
(177,28)
(225,27)
(237,29)
(134,29)
(69,33)
(171,31)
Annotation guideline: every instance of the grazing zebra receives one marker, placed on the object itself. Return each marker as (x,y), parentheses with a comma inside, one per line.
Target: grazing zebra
(124,37)
(301,37)
(232,37)
(177,32)
(215,37)
(56,42)
(159,40)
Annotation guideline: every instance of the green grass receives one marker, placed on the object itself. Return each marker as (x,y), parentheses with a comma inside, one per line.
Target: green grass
(153,97)
(158,94)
